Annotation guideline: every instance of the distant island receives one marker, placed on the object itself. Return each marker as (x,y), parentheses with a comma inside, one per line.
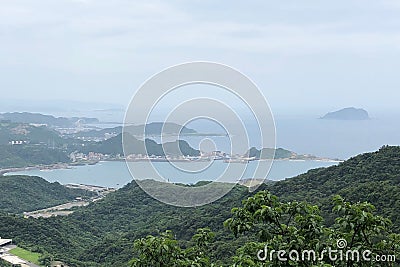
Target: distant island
(350,113)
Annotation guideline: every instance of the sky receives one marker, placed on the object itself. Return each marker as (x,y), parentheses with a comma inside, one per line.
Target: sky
(305,55)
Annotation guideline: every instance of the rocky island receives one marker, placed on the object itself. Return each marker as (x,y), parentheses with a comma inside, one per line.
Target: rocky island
(347,114)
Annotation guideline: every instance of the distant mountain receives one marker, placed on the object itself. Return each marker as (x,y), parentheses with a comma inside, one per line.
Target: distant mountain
(280,153)
(151,129)
(38,118)
(10,131)
(102,133)
(157,128)
(347,114)
(113,146)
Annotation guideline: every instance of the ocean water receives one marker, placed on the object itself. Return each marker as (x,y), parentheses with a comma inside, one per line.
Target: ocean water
(336,138)
(333,139)
(116,173)
(302,133)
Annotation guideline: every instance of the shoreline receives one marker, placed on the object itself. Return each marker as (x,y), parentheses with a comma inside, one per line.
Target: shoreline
(58,166)
(36,167)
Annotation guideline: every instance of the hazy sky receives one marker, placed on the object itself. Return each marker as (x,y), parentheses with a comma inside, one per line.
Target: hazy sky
(302,54)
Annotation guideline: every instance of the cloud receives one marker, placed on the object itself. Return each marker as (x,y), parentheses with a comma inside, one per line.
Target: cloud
(90,44)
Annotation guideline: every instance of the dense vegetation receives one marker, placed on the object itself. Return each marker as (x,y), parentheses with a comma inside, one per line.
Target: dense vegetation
(103,233)
(42,145)
(10,131)
(113,146)
(30,155)
(270,153)
(288,234)
(27,193)
(372,177)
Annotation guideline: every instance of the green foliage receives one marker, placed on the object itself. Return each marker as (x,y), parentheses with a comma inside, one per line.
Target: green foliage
(298,226)
(10,131)
(270,153)
(29,155)
(4,263)
(372,177)
(102,233)
(113,146)
(285,227)
(27,193)
(164,250)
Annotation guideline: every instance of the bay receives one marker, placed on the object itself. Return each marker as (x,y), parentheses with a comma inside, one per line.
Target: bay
(116,173)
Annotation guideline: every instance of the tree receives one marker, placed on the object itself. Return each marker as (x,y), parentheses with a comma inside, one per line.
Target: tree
(164,250)
(285,234)
(295,228)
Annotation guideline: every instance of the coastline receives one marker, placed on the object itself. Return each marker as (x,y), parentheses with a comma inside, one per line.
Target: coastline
(56,166)
(37,167)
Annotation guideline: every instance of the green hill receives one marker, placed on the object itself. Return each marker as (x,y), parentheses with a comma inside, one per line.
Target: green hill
(113,146)
(269,153)
(372,177)
(29,155)
(28,193)
(277,153)
(10,131)
(102,233)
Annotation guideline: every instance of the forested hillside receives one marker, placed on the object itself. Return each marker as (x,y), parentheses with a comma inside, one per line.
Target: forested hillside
(372,177)
(27,193)
(102,234)
(28,155)
(113,146)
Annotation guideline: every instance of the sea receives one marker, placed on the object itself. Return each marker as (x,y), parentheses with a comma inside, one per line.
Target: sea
(116,174)
(333,139)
